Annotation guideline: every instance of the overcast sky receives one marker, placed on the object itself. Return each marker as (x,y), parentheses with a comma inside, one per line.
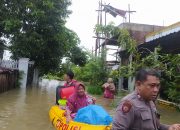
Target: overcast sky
(154,12)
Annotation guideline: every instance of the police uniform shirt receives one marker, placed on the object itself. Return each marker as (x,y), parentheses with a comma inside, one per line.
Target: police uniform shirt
(133,113)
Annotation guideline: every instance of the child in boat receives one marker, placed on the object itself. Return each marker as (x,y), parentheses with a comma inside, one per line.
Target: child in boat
(109,89)
(77,100)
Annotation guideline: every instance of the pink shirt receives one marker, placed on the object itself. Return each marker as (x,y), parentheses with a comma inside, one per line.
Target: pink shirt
(74,102)
(109,90)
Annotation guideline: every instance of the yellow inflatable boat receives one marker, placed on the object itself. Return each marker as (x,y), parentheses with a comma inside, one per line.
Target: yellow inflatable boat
(59,122)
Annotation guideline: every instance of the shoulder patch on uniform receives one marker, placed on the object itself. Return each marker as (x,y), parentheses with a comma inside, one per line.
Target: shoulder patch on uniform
(126,107)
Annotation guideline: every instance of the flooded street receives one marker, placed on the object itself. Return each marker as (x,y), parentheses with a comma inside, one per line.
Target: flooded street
(169,115)
(27,109)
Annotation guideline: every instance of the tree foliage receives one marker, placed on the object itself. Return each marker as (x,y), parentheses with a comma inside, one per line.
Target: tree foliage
(94,72)
(105,29)
(77,56)
(167,64)
(36,30)
(124,39)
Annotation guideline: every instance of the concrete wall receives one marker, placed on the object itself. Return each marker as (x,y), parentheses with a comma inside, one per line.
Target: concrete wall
(23,67)
(139,31)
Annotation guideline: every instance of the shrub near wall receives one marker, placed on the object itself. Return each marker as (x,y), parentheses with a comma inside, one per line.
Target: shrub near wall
(95,90)
(93,72)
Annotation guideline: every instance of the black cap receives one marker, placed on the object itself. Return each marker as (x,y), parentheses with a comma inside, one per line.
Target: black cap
(70,74)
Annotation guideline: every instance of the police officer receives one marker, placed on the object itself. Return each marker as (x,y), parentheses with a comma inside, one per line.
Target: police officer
(137,110)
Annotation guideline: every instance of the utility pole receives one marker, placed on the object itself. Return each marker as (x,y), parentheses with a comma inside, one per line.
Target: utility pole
(101,25)
(129,12)
(99,20)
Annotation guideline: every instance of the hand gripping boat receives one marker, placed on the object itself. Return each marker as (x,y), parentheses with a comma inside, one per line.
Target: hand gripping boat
(59,122)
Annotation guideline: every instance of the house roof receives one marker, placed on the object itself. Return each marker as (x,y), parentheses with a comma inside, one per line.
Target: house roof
(163,32)
(136,30)
(168,39)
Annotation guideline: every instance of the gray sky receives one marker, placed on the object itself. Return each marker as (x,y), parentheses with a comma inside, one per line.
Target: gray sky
(84,17)
(154,12)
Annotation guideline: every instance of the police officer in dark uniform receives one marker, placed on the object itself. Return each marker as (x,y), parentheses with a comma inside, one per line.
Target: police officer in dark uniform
(137,110)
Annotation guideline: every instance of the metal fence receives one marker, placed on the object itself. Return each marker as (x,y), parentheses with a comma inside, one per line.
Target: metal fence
(9,64)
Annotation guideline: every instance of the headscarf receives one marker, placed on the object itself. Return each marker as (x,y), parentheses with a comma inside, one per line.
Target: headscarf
(77,85)
(75,102)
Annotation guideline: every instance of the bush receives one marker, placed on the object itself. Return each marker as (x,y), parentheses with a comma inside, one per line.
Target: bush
(94,72)
(95,90)
(52,76)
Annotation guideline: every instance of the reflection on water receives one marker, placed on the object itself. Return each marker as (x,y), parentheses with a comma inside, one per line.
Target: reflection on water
(27,109)
(107,104)
(169,115)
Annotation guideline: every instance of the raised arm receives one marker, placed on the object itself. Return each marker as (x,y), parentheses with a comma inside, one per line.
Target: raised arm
(105,85)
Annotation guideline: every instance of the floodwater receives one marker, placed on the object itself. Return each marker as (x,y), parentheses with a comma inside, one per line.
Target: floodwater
(27,109)
(169,115)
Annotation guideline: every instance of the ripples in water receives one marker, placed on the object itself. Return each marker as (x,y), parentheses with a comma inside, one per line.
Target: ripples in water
(27,109)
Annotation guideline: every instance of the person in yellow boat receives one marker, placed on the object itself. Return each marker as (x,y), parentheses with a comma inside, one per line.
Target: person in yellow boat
(77,100)
(68,77)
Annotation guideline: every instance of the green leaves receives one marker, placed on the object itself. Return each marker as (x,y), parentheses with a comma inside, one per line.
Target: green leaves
(125,41)
(167,64)
(78,56)
(36,30)
(105,29)
(93,72)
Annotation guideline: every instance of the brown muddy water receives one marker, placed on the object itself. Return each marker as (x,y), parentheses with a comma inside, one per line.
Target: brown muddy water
(27,108)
